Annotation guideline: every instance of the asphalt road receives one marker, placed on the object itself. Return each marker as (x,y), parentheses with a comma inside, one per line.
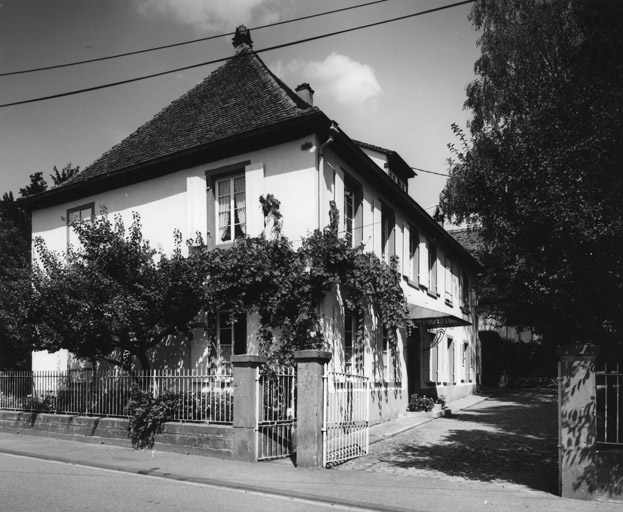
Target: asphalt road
(32,485)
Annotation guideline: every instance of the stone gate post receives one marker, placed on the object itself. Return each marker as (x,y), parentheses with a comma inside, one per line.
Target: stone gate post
(245,372)
(577,432)
(310,406)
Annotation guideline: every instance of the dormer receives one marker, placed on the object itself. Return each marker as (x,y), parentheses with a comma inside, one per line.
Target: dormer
(391,163)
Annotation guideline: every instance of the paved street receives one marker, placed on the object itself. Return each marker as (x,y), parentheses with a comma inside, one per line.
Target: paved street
(510,439)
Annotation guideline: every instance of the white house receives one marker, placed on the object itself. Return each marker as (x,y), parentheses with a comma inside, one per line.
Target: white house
(206,158)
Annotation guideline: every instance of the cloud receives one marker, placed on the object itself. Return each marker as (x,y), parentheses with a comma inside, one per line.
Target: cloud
(214,14)
(349,82)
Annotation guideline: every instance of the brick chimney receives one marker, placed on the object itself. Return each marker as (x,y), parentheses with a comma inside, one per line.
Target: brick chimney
(306,93)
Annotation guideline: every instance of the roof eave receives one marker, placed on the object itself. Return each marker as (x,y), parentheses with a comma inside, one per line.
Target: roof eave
(279,132)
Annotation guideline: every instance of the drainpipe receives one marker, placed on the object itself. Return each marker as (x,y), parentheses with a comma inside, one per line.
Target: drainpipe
(321,164)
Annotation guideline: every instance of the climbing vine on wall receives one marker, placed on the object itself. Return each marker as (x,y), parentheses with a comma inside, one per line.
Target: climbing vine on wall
(285,287)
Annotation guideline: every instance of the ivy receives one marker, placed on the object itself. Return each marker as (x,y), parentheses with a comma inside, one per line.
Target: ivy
(285,287)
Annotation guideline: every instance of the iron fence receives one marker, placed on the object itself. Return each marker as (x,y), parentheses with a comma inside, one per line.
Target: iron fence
(610,405)
(202,396)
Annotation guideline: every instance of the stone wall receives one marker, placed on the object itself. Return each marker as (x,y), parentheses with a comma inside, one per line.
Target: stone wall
(198,438)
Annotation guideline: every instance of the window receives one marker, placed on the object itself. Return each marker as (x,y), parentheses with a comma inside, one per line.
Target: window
(349,214)
(388,223)
(353,355)
(414,255)
(451,362)
(231,208)
(353,212)
(433,370)
(232,336)
(397,180)
(385,348)
(448,280)
(465,362)
(432,269)
(464,284)
(78,215)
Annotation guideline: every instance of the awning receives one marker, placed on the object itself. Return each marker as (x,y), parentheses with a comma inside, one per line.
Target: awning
(431,318)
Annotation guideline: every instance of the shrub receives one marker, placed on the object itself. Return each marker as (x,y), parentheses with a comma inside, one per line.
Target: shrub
(148,414)
(420,403)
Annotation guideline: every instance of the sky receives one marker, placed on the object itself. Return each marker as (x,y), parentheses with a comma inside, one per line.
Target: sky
(399,85)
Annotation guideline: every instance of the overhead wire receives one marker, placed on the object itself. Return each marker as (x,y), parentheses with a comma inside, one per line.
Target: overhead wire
(215,61)
(193,41)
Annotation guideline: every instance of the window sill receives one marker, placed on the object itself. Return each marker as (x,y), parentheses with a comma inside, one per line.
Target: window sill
(411,283)
(448,302)
(432,294)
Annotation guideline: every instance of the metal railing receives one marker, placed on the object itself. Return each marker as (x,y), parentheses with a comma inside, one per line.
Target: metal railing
(202,396)
(276,415)
(346,418)
(610,404)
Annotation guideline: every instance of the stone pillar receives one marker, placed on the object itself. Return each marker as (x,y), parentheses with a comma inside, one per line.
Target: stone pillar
(310,406)
(577,430)
(245,373)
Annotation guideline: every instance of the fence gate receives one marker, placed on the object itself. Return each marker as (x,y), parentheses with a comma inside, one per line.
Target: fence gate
(610,404)
(276,415)
(347,417)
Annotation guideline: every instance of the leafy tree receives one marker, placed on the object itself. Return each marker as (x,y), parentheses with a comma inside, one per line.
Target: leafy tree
(37,185)
(15,240)
(65,174)
(539,172)
(114,298)
(14,281)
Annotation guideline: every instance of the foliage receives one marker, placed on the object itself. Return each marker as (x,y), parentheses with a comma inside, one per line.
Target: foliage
(539,173)
(37,185)
(15,235)
(65,174)
(424,403)
(14,281)
(503,356)
(112,297)
(285,287)
(148,414)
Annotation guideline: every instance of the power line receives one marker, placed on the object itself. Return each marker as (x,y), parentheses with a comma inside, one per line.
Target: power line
(98,59)
(431,172)
(276,47)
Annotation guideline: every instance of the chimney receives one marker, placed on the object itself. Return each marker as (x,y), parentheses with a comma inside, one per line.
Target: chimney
(242,39)
(306,93)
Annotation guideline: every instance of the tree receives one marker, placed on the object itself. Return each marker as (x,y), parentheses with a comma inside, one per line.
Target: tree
(65,174)
(113,298)
(539,172)
(14,281)
(37,185)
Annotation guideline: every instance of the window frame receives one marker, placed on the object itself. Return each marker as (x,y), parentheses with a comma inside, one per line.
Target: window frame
(353,351)
(213,176)
(432,270)
(388,233)
(449,276)
(237,334)
(355,233)
(79,209)
(414,255)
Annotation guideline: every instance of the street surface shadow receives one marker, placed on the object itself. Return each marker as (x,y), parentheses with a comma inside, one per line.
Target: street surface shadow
(512,437)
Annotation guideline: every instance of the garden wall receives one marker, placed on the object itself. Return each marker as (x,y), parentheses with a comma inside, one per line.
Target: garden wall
(198,438)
